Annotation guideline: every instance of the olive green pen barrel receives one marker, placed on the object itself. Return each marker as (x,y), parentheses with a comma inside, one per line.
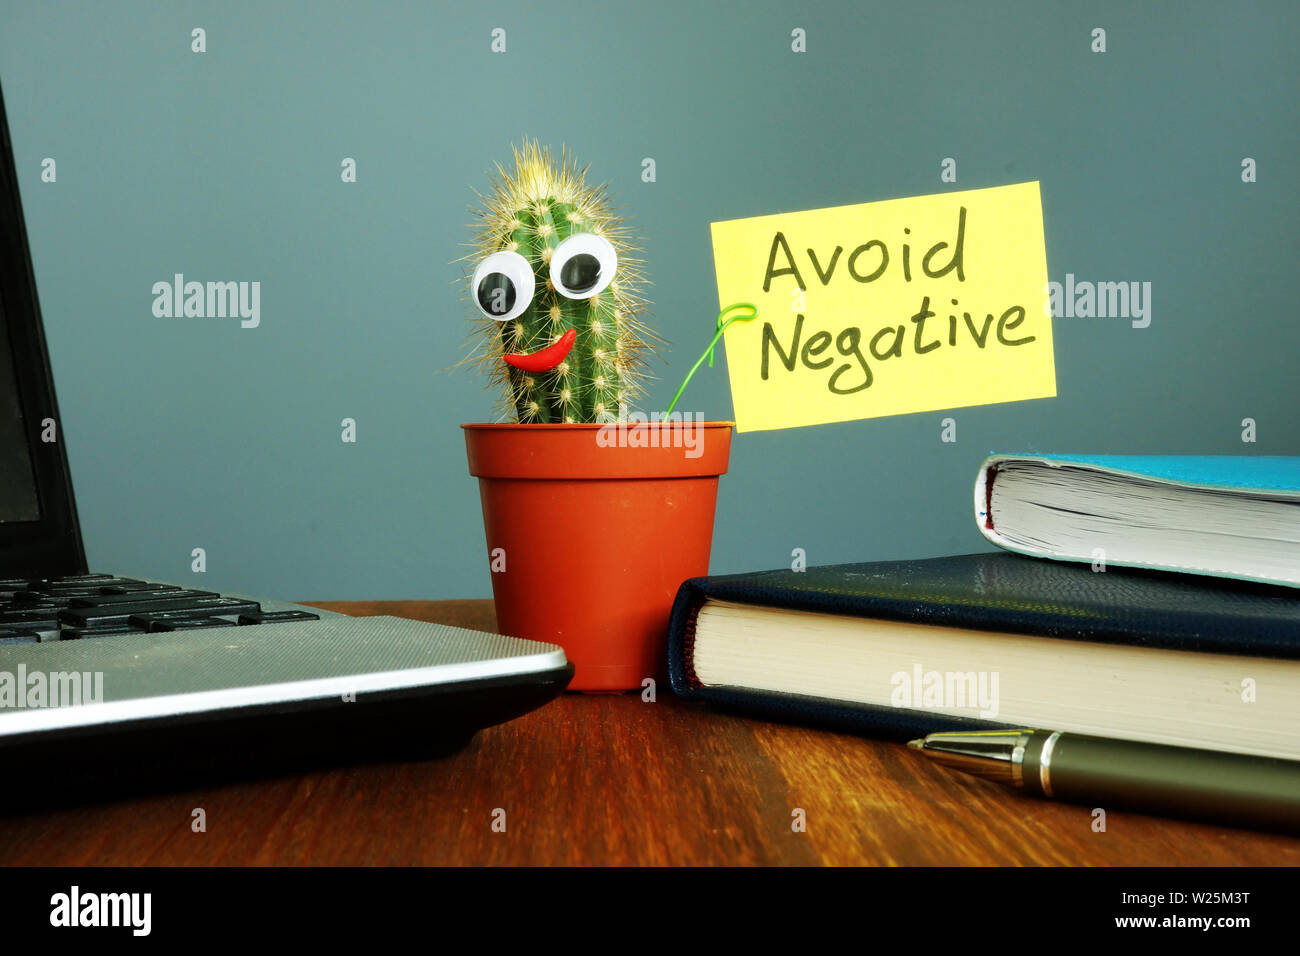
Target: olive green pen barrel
(1176,781)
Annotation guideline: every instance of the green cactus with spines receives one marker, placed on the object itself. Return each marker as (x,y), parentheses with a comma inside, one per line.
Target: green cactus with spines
(532,211)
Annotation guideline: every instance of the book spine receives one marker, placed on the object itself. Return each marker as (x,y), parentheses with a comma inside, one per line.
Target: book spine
(681,637)
(984,497)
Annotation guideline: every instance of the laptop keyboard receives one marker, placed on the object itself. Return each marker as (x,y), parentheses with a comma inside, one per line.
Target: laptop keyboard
(93,605)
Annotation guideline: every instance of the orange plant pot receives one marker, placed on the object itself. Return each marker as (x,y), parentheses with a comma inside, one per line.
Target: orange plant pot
(591,533)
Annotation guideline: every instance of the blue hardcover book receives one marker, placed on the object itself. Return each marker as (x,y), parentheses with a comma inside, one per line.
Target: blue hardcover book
(898,649)
(1233,517)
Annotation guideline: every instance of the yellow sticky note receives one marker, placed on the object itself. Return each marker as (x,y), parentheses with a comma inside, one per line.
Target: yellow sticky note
(885,308)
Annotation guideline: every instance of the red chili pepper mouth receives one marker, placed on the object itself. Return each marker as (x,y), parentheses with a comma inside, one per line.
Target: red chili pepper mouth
(543,360)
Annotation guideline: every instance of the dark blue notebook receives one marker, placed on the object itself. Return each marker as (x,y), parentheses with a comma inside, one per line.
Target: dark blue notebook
(1227,638)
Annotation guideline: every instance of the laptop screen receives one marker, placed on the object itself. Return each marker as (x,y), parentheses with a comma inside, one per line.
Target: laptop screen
(18,496)
(38,517)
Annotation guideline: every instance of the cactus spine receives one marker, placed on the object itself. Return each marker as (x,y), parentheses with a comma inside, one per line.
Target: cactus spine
(532,210)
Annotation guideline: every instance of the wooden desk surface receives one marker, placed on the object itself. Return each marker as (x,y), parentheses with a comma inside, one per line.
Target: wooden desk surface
(616,780)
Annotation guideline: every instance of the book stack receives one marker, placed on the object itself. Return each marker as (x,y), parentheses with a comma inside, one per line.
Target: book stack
(1151,599)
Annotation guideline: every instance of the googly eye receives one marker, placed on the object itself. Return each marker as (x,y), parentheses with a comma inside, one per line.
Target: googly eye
(583,265)
(503,286)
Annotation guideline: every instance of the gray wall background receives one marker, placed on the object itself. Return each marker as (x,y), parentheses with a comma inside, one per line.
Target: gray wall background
(186,433)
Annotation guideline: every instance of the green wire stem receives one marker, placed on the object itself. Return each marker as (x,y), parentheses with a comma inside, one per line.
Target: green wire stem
(708,353)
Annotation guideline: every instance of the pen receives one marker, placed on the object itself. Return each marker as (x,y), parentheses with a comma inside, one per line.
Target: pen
(1262,792)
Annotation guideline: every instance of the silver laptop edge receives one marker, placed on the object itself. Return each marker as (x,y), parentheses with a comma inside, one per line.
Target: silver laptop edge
(169,674)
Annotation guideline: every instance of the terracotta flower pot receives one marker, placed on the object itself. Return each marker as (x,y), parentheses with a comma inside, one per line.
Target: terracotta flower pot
(591,529)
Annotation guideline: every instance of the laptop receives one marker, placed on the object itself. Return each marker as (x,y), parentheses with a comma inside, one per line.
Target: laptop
(117,674)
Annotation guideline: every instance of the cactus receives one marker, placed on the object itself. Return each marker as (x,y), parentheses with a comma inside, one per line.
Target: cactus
(555,283)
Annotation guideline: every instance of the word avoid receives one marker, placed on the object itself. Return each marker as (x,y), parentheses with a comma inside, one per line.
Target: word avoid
(907,305)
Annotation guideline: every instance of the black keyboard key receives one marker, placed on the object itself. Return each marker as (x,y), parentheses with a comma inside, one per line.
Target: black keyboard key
(75,579)
(10,636)
(158,622)
(120,613)
(147,618)
(75,587)
(9,585)
(275,617)
(28,614)
(40,624)
(137,587)
(28,598)
(80,633)
(138,597)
